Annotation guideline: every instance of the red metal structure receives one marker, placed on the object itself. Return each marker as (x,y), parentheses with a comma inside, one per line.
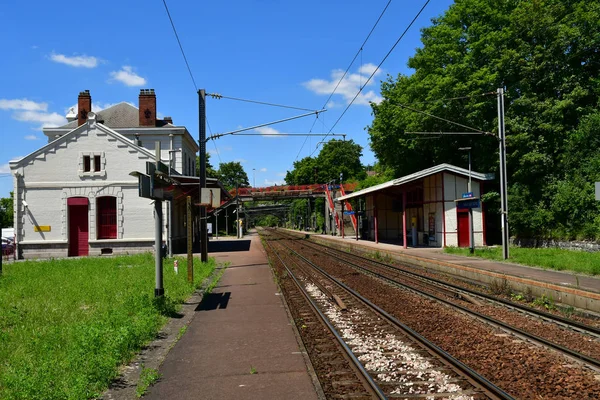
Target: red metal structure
(348,207)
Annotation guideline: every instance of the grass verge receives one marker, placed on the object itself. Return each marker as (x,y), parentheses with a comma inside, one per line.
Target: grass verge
(557,259)
(67,325)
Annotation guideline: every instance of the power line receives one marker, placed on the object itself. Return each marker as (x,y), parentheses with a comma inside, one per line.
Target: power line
(358,52)
(348,69)
(220,96)
(216,149)
(456,98)
(180,46)
(443,119)
(378,66)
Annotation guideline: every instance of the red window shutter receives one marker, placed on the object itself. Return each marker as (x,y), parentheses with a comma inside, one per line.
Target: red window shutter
(107,217)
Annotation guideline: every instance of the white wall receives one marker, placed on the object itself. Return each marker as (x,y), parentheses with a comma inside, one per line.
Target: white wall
(454,187)
(49,179)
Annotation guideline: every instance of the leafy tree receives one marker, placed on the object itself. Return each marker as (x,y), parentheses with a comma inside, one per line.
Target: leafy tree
(377,174)
(336,156)
(210,171)
(6,211)
(304,172)
(232,174)
(546,54)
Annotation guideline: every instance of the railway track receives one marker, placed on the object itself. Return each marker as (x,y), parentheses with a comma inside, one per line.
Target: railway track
(447,293)
(394,360)
(510,361)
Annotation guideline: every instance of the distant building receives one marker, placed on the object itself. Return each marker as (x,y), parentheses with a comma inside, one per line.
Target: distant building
(75,196)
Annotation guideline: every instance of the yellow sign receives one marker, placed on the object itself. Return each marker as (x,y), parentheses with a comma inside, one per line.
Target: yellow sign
(41,228)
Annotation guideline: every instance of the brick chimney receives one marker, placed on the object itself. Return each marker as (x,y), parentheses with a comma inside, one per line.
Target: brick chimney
(147,107)
(84,106)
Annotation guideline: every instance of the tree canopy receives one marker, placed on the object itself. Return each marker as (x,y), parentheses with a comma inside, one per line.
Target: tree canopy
(6,211)
(546,53)
(335,158)
(232,174)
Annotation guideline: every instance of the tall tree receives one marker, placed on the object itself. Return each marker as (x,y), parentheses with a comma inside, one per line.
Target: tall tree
(546,53)
(232,174)
(6,211)
(335,158)
(210,170)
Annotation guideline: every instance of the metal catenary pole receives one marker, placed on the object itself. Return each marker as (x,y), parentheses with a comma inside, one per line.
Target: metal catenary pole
(503,179)
(202,143)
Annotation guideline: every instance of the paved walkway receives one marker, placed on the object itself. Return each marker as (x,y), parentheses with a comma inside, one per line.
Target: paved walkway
(240,344)
(561,278)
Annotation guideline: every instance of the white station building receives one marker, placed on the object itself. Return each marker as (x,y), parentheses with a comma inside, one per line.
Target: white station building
(75,195)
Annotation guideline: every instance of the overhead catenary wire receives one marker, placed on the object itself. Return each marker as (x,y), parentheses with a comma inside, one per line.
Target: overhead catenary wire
(348,69)
(476,130)
(220,96)
(379,66)
(180,46)
(456,98)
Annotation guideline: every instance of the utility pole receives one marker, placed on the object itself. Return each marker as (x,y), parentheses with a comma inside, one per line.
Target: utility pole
(503,179)
(202,143)
(159,290)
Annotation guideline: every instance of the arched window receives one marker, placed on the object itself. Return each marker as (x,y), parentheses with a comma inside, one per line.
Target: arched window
(107,217)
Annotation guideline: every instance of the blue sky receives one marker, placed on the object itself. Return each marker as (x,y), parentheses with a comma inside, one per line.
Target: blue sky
(290,53)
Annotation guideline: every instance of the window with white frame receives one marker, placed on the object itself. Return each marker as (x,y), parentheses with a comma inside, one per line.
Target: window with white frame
(92,164)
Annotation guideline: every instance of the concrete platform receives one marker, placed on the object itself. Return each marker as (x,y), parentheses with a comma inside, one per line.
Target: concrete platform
(240,344)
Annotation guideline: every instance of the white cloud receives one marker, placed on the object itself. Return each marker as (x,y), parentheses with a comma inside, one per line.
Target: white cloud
(241,160)
(127,76)
(31,137)
(268,182)
(263,170)
(76,61)
(267,131)
(331,104)
(47,120)
(22,104)
(281,174)
(4,169)
(348,86)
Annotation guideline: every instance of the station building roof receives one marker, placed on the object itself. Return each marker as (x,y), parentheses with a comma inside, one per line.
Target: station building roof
(419,175)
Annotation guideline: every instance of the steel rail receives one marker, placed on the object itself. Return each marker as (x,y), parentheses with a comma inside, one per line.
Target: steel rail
(472,376)
(592,362)
(358,365)
(538,313)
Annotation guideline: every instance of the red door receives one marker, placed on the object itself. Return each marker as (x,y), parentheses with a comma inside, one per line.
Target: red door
(463,228)
(78,226)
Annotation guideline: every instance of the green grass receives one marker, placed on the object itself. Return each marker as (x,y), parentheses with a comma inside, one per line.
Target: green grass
(147,378)
(67,325)
(557,259)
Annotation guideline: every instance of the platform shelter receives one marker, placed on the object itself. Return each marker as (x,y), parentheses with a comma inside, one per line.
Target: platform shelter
(426,208)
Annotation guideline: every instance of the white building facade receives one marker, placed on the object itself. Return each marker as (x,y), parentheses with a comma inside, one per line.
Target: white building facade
(75,196)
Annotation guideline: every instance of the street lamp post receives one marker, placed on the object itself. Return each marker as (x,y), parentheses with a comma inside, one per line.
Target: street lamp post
(470,189)
(254,177)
